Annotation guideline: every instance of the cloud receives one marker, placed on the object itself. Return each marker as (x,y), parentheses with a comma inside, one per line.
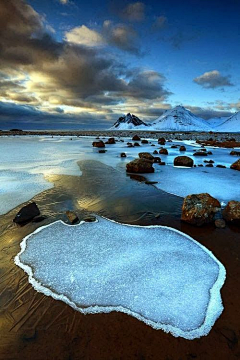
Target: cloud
(82,35)
(212,80)
(133,12)
(207,113)
(63,1)
(160,22)
(120,36)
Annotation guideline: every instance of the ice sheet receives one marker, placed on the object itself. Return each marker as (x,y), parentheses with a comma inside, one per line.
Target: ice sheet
(156,274)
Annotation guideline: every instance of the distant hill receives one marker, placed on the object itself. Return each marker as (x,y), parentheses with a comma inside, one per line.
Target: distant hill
(129,122)
(231,124)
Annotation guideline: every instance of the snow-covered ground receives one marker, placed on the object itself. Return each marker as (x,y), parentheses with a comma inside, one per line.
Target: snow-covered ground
(25,163)
(156,274)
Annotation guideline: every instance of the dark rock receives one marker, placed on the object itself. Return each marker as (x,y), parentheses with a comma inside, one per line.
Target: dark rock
(200,153)
(136,144)
(123,155)
(27,213)
(151,182)
(220,223)
(38,219)
(102,151)
(209,165)
(156,159)
(182,148)
(98,144)
(237,153)
(161,141)
(146,155)
(89,218)
(72,217)
(155,152)
(136,138)
(221,166)
(110,141)
(174,147)
(231,213)
(163,151)
(183,161)
(236,165)
(162,163)
(144,141)
(199,209)
(141,165)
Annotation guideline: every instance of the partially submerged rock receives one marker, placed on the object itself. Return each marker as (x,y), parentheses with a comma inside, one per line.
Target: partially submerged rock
(182,148)
(236,165)
(123,155)
(161,141)
(110,141)
(140,166)
(163,151)
(231,213)
(183,161)
(72,217)
(199,209)
(146,155)
(136,138)
(27,213)
(98,144)
(89,218)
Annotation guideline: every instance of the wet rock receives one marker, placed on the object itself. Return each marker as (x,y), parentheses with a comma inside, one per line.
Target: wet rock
(136,138)
(27,213)
(236,153)
(155,152)
(209,161)
(231,213)
(136,144)
(199,209)
(162,163)
(209,165)
(161,141)
(89,218)
(129,145)
(144,141)
(183,161)
(98,144)
(200,165)
(151,182)
(182,148)
(174,147)
(220,223)
(221,166)
(141,165)
(38,219)
(236,165)
(156,159)
(123,155)
(110,141)
(72,217)
(200,153)
(102,151)
(146,155)
(163,151)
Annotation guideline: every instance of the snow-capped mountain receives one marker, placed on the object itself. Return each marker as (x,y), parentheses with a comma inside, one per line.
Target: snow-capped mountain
(216,121)
(179,119)
(129,122)
(232,124)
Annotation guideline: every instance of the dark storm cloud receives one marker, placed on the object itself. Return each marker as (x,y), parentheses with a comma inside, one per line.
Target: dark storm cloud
(212,80)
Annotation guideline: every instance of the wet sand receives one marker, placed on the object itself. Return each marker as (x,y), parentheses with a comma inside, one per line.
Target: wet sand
(34,326)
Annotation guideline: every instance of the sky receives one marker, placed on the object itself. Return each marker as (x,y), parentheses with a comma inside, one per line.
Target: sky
(72,64)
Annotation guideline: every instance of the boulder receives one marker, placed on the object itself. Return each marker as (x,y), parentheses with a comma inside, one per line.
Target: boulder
(182,148)
(221,166)
(161,141)
(236,165)
(237,153)
(98,144)
(136,138)
(144,141)
(199,209)
(156,159)
(183,161)
(110,141)
(146,155)
(220,223)
(162,163)
(142,165)
(163,151)
(136,144)
(123,155)
(231,213)
(72,217)
(27,213)
(155,152)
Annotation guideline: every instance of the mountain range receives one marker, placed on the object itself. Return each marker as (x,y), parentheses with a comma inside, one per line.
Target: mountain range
(179,119)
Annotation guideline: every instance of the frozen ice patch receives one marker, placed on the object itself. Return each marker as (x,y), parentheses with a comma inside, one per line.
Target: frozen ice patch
(156,274)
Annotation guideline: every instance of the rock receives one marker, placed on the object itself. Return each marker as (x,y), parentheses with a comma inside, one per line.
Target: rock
(136,138)
(231,213)
(141,165)
(72,217)
(174,147)
(200,153)
(161,141)
(129,145)
(182,148)
(221,166)
(156,159)
(200,165)
(146,155)
(110,141)
(220,223)
(155,152)
(183,161)
(123,155)
(162,163)
(209,153)
(38,219)
(136,144)
(102,151)
(209,161)
(236,165)
(89,218)
(144,141)
(209,165)
(199,209)
(163,151)
(151,182)
(27,213)
(98,144)
(237,153)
